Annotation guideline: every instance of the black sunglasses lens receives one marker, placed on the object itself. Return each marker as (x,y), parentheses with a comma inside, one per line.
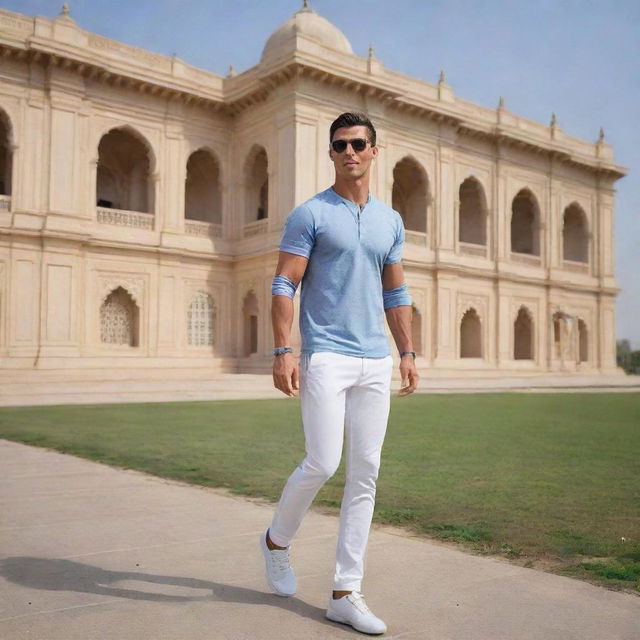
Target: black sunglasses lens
(357,144)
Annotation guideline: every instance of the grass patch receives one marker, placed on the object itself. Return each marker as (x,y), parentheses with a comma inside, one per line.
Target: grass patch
(614,571)
(530,477)
(460,533)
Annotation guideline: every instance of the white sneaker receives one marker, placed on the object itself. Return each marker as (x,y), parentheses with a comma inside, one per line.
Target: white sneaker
(352,609)
(279,572)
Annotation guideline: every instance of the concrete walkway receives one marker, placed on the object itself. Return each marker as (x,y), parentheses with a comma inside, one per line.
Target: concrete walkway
(91,552)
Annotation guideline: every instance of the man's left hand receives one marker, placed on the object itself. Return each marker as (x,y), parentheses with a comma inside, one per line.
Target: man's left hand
(408,375)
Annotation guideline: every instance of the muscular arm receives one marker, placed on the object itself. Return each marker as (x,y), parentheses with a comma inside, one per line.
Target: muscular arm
(399,319)
(285,368)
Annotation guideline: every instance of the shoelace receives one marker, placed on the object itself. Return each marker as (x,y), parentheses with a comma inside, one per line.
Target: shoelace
(357,599)
(280,559)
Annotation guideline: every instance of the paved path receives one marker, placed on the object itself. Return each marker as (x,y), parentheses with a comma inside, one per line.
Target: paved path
(92,553)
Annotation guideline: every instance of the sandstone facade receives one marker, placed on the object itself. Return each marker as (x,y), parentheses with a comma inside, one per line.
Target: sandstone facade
(143,200)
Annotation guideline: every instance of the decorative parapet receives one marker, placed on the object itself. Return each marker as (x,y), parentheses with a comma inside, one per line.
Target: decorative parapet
(255,228)
(471,249)
(62,42)
(15,23)
(132,54)
(121,218)
(202,229)
(525,258)
(578,267)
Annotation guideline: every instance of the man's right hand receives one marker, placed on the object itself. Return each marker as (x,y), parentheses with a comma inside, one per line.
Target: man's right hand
(285,374)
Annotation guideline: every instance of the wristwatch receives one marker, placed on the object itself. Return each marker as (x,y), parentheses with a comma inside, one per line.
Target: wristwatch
(408,353)
(278,351)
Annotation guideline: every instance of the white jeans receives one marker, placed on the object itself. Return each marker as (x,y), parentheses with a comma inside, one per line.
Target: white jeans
(339,395)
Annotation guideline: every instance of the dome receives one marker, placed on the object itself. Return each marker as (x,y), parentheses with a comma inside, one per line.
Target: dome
(308,24)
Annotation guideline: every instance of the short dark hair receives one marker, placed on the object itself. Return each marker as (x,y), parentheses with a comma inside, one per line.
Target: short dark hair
(350,119)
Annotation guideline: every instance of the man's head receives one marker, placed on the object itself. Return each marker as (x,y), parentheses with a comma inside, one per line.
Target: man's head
(352,148)
(353,120)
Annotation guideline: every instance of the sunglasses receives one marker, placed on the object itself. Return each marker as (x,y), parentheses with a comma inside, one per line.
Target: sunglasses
(357,144)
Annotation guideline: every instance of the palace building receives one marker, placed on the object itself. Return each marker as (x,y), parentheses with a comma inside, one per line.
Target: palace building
(142,202)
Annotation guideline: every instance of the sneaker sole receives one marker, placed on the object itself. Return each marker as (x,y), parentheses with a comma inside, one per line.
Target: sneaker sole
(334,618)
(265,551)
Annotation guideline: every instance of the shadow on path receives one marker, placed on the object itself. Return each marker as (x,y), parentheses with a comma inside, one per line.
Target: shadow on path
(52,574)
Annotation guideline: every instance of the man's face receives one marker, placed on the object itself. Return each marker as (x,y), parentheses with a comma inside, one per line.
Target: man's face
(351,164)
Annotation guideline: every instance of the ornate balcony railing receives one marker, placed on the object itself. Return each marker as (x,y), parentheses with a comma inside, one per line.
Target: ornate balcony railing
(573,265)
(5,203)
(202,229)
(255,228)
(472,249)
(525,258)
(416,237)
(120,218)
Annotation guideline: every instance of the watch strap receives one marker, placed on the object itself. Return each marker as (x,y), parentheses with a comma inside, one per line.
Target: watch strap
(278,351)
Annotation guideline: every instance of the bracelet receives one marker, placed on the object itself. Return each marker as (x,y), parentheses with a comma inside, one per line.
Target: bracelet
(278,351)
(408,353)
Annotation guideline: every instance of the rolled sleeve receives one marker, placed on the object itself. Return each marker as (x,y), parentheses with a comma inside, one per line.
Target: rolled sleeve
(395,253)
(298,236)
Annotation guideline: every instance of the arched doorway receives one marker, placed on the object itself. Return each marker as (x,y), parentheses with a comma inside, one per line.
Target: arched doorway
(202,195)
(124,172)
(523,335)
(6,155)
(525,224)
(250,315)
(257,185)
(472,213)
(471,335)
(575,235)
(409,195)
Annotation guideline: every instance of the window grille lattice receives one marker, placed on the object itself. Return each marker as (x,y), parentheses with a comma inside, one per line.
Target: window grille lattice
(200,321)
(116,319)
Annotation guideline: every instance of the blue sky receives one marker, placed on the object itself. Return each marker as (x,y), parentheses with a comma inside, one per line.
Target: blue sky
(577,58)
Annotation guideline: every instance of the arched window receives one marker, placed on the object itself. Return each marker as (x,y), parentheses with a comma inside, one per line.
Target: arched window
(201,321)
(575,237)
(5,155)
(202,199)
(471,335)
(250,313)
(416,330)
(257,185)
(119,319)
(124,172)
(583,341)
(523,335)
(525,224)
(409,196)
(472,213)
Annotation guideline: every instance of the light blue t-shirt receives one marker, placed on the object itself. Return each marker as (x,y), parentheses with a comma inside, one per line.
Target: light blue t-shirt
(341,307)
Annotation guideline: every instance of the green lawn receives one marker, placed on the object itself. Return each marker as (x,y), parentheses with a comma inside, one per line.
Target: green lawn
(550,481)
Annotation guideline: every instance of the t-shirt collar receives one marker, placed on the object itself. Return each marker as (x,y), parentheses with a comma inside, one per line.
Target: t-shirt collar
(349,203)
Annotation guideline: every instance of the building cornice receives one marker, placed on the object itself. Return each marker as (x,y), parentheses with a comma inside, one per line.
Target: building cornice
(61,43)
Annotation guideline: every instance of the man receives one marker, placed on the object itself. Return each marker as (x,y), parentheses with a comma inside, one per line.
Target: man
(345,247)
